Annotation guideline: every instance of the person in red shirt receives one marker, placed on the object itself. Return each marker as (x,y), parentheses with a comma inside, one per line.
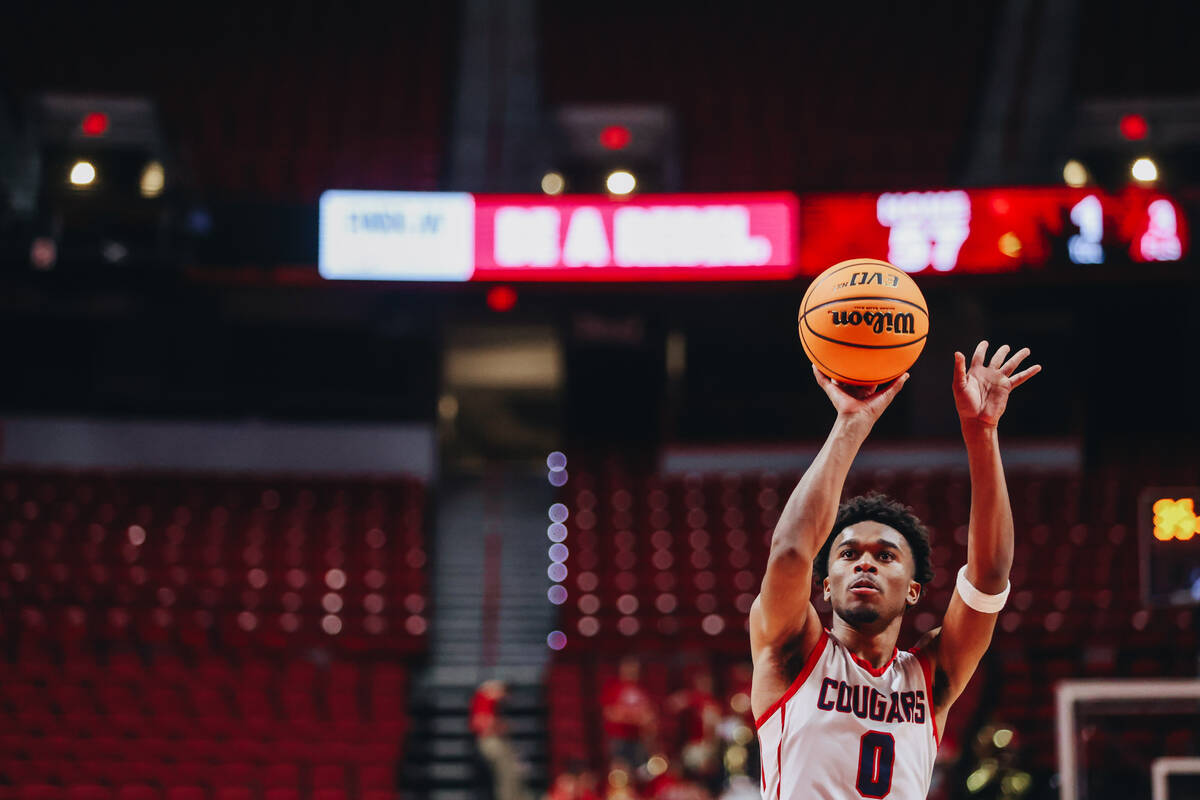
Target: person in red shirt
(576,783)
(629,717)
(679,784)
(699,714)
(493,744)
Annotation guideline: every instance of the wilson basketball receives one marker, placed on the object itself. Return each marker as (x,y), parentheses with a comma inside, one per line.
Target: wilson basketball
(863,322)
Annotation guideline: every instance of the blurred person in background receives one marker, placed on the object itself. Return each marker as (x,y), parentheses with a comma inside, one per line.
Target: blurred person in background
(630,721)
(493,744)
(739,692)
(678,783)
(576,783)
(737,728)
(698,713)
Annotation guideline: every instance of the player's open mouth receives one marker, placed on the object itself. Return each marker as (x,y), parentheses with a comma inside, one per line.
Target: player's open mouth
(862,586)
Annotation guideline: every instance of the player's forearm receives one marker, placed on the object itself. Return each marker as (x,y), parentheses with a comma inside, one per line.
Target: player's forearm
(990,535)
(812,507)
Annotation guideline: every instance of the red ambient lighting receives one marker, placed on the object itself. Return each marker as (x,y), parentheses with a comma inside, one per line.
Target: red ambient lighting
(616,137)
(1134,127)
(95,124)
(502,298)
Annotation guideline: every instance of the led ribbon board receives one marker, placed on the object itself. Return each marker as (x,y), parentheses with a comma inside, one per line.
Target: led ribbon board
(433,236)
(413,236)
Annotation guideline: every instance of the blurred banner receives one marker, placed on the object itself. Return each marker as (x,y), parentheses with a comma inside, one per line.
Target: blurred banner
(433,236)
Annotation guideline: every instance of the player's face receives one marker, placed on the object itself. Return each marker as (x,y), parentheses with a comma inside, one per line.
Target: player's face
(871,571)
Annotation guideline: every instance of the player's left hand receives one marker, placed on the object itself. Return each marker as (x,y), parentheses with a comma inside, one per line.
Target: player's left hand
(981,393)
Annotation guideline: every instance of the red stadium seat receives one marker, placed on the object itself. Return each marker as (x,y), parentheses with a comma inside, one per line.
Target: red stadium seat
(328,776)
(138,791)
(234,793)
(177,717)
(376,777)
(36,791)
(89,792)
(234,775)
(281,776)
(186,793)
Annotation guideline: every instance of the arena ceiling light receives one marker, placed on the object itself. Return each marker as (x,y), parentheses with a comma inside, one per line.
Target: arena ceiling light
(83,173)
(153,180)
(1075,174)
(1144,170)
(553,183)
(620,182)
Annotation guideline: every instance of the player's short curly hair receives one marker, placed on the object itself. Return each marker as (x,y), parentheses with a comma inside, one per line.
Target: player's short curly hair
(880,508)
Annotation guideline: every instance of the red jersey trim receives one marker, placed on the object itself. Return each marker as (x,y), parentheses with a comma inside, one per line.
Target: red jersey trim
(779,752)
(817,650)
(872,671)
(927,671)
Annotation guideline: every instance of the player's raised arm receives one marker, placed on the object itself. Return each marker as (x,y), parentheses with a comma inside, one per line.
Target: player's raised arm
(783,608)
(980,395)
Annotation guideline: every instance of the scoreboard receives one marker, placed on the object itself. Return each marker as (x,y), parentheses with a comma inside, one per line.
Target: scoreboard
(991,230)
(454,236)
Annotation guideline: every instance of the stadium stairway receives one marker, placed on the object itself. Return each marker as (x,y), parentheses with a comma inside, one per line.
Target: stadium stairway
(491,618)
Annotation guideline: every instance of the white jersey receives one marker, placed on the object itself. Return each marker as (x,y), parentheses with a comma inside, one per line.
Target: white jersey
(844,731)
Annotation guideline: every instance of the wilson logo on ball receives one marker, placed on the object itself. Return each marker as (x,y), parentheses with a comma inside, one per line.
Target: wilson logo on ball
(878,321)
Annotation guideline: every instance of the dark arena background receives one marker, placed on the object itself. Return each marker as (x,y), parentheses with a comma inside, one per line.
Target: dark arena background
(359,353)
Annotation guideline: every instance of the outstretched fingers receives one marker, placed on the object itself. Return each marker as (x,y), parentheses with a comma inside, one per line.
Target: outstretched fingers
(998,357)
(960,368)
(1015,361)
(980,352)
(1025,375)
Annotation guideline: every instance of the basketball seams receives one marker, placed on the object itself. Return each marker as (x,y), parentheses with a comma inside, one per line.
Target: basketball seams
(829,371)
(918,306)
(832,373)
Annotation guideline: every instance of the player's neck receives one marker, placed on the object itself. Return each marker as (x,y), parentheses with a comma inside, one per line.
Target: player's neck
(872,645)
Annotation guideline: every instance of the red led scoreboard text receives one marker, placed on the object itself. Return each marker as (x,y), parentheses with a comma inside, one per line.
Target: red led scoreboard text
(419,236)
(990,230)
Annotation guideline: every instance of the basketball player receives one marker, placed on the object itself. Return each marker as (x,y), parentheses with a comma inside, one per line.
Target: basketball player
(841,713)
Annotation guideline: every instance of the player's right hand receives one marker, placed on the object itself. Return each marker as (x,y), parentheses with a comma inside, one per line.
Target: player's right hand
(859,402)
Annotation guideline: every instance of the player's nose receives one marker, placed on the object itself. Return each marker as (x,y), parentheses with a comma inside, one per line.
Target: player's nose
(865,566)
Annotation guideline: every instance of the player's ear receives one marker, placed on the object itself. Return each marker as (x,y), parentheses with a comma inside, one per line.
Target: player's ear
(825,588)
(914,593)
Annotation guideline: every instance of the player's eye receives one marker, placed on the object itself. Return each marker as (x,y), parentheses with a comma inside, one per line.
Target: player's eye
(846,553)
(885,556)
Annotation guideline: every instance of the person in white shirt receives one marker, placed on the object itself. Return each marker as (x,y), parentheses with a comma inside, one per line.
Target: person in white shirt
(841,712)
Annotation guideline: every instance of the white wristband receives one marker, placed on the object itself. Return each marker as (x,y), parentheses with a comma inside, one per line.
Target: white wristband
(983,603)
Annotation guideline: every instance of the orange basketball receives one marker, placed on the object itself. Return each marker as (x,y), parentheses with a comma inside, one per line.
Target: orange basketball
(863,322)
